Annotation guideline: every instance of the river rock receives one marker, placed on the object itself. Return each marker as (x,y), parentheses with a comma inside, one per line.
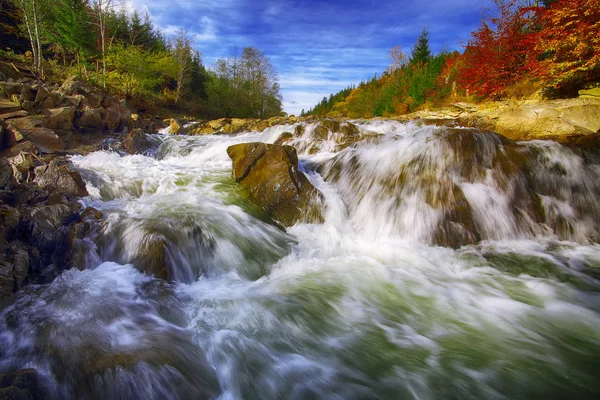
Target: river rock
(44,139)
(11,136)
(58,177)
(22,165)
(11,88)
(28,94)
(28,122)
(41,95)
(21,385)
(72,84)
(9,218)
(59,118)
(44,222)
(52,100)
(90,120)
(6,175)
(270,174)
(81,239)
(175,127)
(135,142)
(24,146)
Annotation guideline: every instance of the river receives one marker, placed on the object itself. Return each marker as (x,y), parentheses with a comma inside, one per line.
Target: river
(366,305)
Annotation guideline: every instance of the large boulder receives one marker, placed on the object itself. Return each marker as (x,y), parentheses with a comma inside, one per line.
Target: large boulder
(71,85)
(59,118)
(45,140)
(58,177)
(44,223)
(175,127)
(135,142)
(41,95)
(90,120)
(270,174)
(28,122)
(24,146)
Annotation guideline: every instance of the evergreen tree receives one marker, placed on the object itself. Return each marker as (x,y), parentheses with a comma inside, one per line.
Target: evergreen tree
(421,52)
(70,27)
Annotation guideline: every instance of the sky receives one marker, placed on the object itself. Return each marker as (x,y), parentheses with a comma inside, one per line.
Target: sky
(317,47)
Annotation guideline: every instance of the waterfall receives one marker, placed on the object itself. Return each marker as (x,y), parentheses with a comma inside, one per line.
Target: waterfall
(451,263)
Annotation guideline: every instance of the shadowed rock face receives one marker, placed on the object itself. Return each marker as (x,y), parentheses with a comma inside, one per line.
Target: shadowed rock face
(270,174)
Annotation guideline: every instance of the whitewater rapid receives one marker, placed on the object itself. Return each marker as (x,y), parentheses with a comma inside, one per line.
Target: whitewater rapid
(362,306)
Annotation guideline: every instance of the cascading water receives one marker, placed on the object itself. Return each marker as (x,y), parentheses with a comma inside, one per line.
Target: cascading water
(451,264)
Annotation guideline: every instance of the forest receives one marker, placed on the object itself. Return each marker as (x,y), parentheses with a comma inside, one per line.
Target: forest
(124,53)
(523,49)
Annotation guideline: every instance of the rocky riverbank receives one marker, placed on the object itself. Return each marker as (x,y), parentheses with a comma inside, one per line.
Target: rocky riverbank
(42,224)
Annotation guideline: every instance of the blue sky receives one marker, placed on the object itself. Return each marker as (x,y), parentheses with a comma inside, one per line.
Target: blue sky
(317,47)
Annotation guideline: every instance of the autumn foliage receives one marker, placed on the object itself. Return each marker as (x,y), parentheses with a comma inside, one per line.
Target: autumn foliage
(569,43)
(550,47)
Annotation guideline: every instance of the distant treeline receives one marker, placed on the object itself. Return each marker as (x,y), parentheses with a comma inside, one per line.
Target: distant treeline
(528,48)
(125,53)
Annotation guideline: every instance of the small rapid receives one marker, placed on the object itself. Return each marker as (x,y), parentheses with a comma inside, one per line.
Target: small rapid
(451,264)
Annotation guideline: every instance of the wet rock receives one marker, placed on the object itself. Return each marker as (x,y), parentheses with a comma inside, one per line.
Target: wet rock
(7,282)
(136,142)
(176,127)
(9,219)
(218,123)
(321,132)
(203,130)
(349,129)
(331,124)
(44,223)
(82,248)
(59,118)
(21,385)
(6,174)
(153,257)
(58,177)
(18,256)
(270,174)
(299,130)
(283,138)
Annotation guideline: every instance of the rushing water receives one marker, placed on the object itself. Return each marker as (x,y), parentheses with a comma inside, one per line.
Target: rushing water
(362,306)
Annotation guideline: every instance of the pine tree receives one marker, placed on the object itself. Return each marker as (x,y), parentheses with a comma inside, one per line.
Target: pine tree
(421,52)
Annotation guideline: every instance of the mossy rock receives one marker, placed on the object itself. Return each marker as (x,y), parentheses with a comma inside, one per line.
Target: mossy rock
(283,138)
(270,174)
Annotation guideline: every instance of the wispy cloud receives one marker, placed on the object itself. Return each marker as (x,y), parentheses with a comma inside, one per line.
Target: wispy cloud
(317,47)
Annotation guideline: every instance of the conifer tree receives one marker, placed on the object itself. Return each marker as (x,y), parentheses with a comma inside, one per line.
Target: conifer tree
(421,52)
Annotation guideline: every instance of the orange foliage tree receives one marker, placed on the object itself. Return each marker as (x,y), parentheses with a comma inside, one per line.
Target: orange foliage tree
(569,44)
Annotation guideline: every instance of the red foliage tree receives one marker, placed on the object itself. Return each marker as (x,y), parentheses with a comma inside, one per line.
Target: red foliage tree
(500,51)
